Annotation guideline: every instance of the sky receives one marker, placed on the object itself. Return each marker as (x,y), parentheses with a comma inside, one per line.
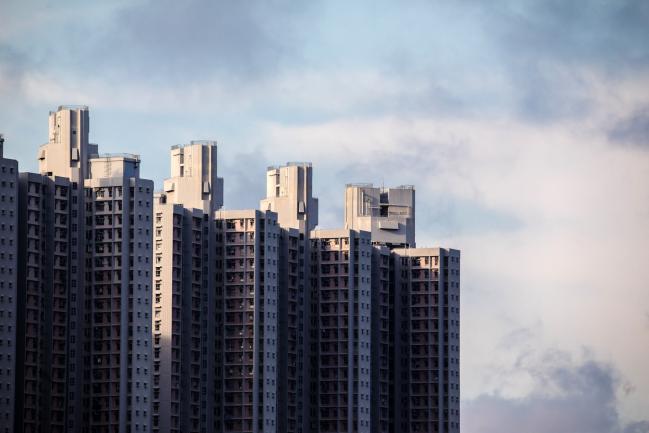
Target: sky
(524,126)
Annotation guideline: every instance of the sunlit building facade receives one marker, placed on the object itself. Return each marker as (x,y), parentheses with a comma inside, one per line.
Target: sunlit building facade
(186,322)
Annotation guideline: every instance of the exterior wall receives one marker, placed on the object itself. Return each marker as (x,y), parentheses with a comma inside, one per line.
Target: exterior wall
(341,276)
(187,292)
(194,182)
(48,333)
(388,213)
(8,288)
(428,279)
(382,334)
(67,151)
(184,302)
(119,251)
(167,316)
(251,243)
(289,194)
(290,339)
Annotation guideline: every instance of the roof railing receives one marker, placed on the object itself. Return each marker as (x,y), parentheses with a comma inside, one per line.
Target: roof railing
(290,164)
(118,155)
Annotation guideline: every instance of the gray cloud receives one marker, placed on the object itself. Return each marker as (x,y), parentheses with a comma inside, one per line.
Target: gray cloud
(633,130)
(569,398)
(244,179)
(188,41)
(611,35)
(545,46)
(159,43)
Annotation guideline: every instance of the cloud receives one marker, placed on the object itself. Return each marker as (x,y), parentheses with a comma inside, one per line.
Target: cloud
(608,35)
(568,397)
(244,179)
(633,130)
(199,39)
(547,49)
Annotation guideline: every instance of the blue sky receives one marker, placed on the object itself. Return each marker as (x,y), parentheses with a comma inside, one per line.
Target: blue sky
(523,124)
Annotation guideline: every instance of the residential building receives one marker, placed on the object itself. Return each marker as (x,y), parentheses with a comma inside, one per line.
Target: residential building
(186,323)
(383,398)
(51,305)
(341,272)
(8,287)
(427,344)
(44,327)
(119,214)
(289,193)
(249,275)
(84,265)
(122,311)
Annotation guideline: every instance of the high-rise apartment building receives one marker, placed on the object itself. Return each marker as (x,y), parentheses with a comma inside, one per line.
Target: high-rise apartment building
(45,278)
(427,344)
(8,287)
(382,342)
(122,311)
(289,193)
(341,262)
(119,216)
(387,213)
(291,361)
(50,339)
(83,339)
(249,274)
(186,322)
(415,315)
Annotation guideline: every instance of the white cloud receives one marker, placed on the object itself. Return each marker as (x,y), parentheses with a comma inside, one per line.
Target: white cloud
(575,264)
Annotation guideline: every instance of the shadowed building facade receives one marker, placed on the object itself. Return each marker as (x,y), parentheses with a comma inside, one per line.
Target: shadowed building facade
(250,279)
(427,340)
(84,343)
(8,287)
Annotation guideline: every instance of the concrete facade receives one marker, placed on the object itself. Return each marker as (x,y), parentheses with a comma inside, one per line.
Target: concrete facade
(119,206)
(289,194)
(84,338)
(250,319)
(382,342)
(45,276)
(427,320)
(8,287)
(194,182)
(186,322)
(341,274)
(51,268)
(387,213)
